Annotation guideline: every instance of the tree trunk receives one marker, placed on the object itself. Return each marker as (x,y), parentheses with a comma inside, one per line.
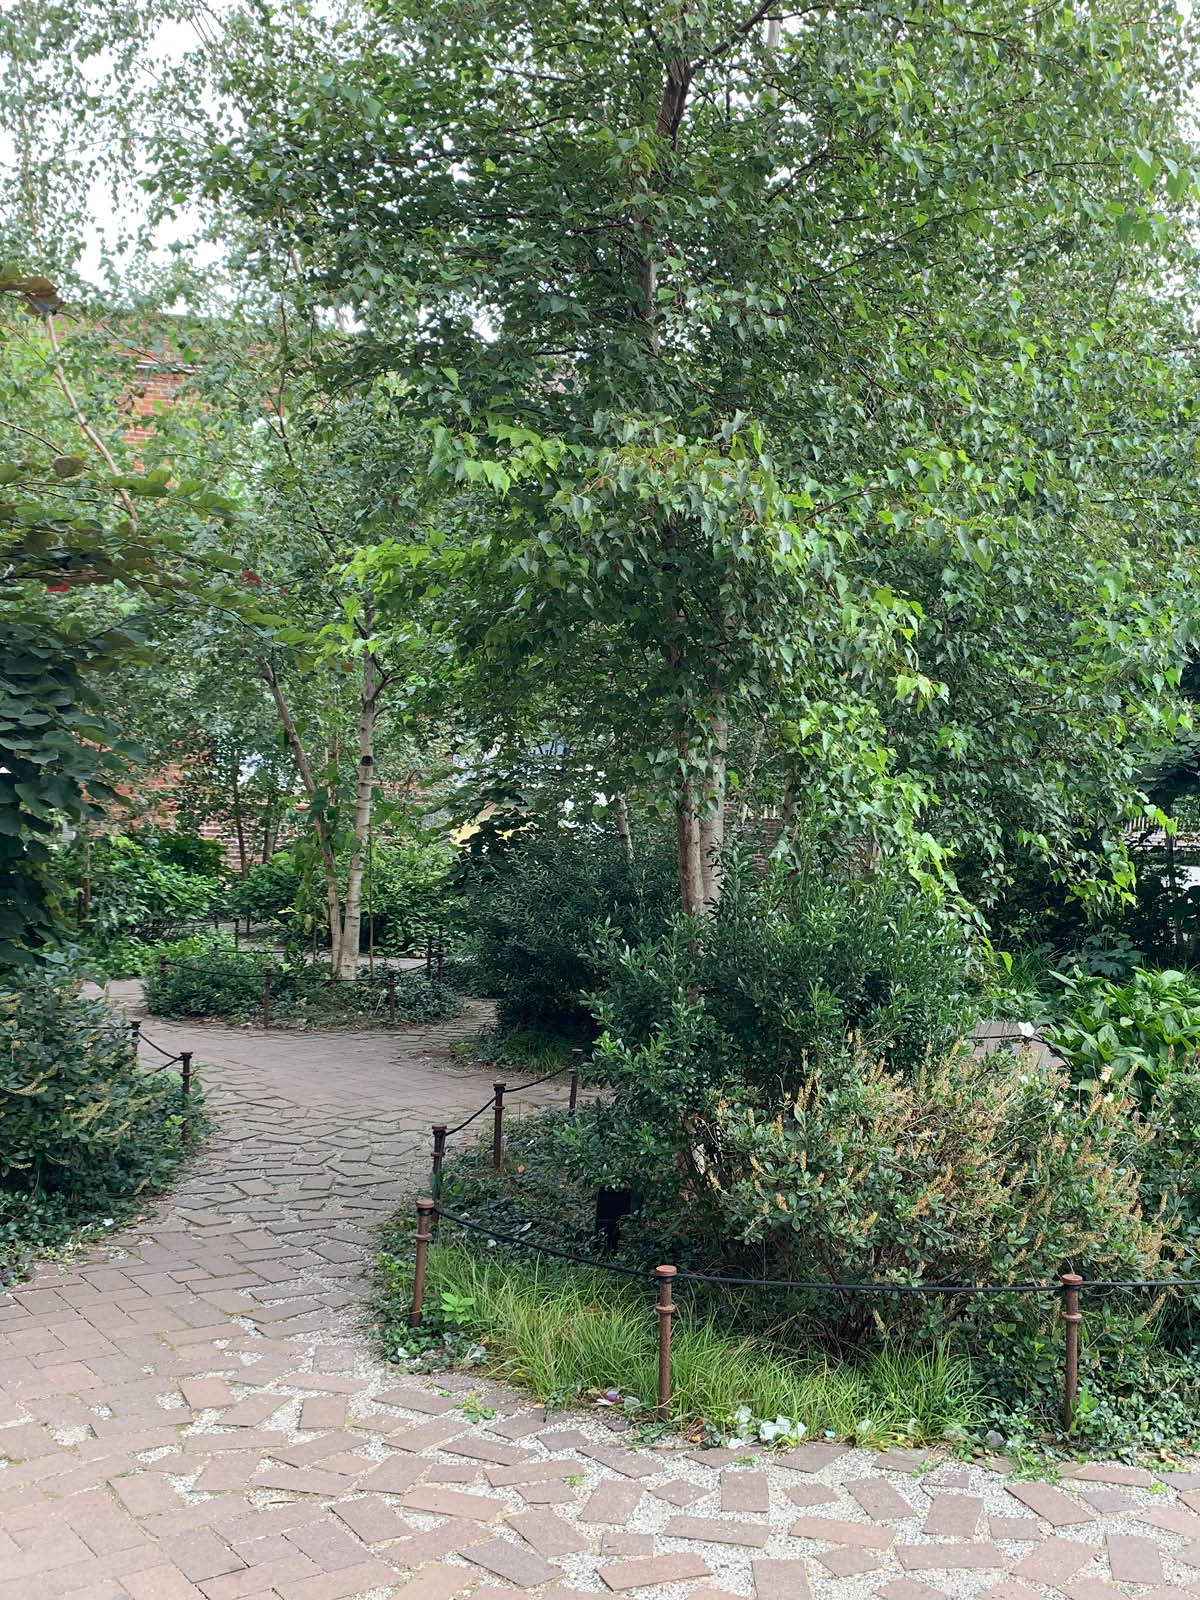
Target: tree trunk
(623,833)
(239,824)
(711,821)
(352,920)
(328,861)
(687,851)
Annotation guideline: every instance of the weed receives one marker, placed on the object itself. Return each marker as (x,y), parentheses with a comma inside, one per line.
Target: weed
(1029,1463)
(474,1409)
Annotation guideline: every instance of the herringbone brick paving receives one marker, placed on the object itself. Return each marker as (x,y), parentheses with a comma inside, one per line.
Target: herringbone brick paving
(191,1412)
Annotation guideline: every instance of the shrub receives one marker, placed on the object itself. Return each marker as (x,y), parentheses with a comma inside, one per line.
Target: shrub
(129,892)
(1128,1035)
(535,905)
(786,973)
(269,889)
(410,895)
(870,1175)
(192,852)
(418,998)
(406,895)
(209,981)
(970,1171)
(213,980)
(192,947)
(83,1130)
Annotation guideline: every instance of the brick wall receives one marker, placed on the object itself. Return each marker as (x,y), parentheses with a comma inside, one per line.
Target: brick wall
(155,385)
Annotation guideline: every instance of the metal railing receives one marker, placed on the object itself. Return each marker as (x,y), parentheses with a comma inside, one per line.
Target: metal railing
(386,980)
(1070,1285)
(184,1060)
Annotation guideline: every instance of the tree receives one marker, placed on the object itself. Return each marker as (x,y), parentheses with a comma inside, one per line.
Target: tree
(80,538)
(768,355)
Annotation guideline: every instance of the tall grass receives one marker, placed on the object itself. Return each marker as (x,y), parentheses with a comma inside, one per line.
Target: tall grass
(560,1330)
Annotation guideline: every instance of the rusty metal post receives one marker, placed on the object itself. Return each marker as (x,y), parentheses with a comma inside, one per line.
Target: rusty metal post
(237,927)
(135,1035)
(666,1310)
(429,955)
(498,1127)
(1072,1317)
(162,968)
(425,1212)
(576,1063)
(439,1154)
(441,955)
(266,997)
(391,998)
(185,1082)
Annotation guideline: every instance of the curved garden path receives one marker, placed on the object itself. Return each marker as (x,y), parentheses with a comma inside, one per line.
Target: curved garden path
(191,1412)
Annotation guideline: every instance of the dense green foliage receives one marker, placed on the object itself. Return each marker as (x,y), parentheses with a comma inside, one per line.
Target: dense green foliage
(406,895)
(191,852)
(538,906)
(803,432)
(56,763)
(687,425)
(85,541)
(85,1133)
(1129,1036)
(211,980)
(270,891)
(782,1091)
(132,887)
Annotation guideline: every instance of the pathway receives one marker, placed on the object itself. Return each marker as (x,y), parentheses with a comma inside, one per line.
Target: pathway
(190,1412)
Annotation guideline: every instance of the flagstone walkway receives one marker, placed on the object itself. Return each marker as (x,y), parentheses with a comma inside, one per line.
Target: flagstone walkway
(191,1412)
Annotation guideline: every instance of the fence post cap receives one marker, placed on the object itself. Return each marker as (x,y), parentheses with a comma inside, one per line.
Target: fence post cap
(439,1127)
(427,1203)
(1070,1279)
(665,1272)
(499,1086)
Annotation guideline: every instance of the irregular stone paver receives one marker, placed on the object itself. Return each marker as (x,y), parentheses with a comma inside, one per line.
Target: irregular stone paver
(880,1501)
(190,1412)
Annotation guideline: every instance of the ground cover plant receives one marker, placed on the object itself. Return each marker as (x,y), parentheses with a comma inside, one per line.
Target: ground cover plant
(87,1133)
(210,979)
(1133,1035)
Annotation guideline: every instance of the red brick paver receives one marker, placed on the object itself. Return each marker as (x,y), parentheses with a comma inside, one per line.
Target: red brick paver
(191,1412)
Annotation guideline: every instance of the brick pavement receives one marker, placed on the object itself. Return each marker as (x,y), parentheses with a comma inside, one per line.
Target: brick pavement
(191,1412)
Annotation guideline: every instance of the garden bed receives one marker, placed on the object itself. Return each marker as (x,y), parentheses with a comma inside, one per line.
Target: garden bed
(220,984)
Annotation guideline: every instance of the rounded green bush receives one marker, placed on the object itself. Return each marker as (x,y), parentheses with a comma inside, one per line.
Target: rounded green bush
(84,1129)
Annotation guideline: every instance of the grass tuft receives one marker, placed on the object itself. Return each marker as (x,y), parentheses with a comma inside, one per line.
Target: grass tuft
(561,1331)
